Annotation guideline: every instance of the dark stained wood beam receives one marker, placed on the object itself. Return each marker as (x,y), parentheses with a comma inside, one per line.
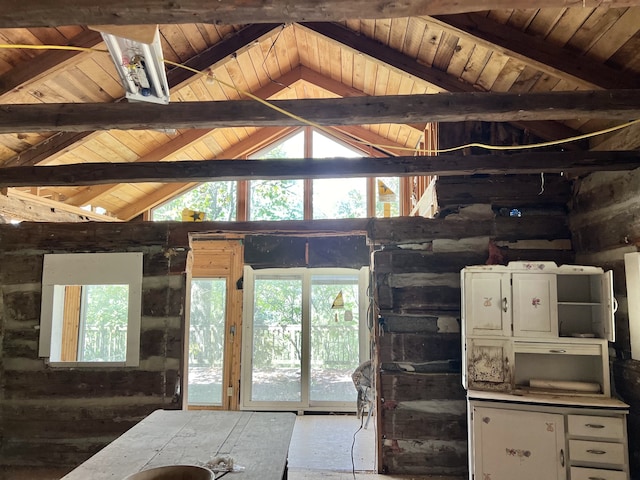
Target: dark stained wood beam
(201,171)
(254,143)
(534,51)
(34,13)
(213,56)
(443,107)
(401,63)
(188,138)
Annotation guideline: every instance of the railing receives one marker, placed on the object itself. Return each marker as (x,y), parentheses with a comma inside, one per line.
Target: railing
(104,344)
(331,345)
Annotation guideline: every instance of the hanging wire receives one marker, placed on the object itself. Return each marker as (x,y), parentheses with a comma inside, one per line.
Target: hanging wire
(338,134)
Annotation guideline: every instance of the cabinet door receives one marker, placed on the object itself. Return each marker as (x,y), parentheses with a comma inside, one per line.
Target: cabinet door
(486,299)
(488,364)
(609,307)
(535,305)
(515,444)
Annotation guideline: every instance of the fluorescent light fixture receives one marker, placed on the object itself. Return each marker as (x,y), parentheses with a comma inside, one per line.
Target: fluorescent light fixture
(139,62)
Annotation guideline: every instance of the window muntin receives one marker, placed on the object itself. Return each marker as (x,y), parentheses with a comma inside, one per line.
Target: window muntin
(65,337)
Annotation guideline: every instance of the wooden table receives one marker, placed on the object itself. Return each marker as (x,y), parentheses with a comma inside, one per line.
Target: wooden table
(257,441)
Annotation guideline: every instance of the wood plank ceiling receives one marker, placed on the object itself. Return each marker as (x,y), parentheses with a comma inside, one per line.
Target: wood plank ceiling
(516,50)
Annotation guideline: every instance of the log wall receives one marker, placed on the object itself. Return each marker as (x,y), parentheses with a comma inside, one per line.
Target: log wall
(58,417)
(605,223)
(422,412)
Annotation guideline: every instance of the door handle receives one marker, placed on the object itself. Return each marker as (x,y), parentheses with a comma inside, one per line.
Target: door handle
(596,452)
(593,425)
(505,304)
(562,457)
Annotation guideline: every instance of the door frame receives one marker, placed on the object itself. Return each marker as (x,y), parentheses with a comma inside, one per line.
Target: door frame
(218,258)
(364,335)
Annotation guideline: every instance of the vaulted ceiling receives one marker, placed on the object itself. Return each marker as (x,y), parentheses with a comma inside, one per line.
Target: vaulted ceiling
(525,52)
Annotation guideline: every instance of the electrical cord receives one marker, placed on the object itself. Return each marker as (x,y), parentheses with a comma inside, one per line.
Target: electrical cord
(320,127)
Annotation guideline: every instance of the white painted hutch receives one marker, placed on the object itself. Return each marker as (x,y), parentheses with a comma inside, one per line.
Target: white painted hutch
(536,369)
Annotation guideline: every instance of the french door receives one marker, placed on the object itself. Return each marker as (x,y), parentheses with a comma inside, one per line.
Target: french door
(304,333)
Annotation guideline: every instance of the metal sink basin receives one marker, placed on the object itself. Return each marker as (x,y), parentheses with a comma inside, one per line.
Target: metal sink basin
(174,472)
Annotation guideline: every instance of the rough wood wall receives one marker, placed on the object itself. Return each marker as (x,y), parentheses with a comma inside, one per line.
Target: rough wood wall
(423,415)
(605,223)
(58,417)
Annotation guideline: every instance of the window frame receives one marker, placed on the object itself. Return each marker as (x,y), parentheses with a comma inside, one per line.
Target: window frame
(60,270)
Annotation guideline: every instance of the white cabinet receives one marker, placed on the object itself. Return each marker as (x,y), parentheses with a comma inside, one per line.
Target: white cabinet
(532,451)
(535,343)
(545,327)
(538,300)
(487,303)
(531,439)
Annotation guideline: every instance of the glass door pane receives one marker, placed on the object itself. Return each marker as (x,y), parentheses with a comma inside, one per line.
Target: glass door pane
(334,337)
(206,341)
(276,374)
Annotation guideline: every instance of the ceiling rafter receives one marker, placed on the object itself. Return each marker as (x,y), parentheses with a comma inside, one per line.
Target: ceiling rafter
(214,56)
(443,107)
(28,73)
(544,56)
(127,12)
(179,143)
(257,141)
(547,130)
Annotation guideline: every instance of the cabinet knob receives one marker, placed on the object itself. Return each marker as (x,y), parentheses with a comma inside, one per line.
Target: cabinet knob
(562,457)
(505,304)
(593,425)
(557,350)
(597,478)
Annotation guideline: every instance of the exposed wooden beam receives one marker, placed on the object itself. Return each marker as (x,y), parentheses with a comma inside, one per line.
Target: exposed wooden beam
(26,207)
(214,56)
(126,12)
(91,194)
(443,107)
(201,171)
(28,73)
(403,64)
(255,142)
(534,51)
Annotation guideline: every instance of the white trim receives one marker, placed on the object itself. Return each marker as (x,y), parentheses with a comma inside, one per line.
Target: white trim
(123,268)
(305,275)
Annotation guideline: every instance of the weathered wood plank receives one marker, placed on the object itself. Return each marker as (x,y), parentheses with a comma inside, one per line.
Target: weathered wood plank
(417,348)
(434,457)
(443,165)
(439,424)
(442,107)
(216,55)
(413,230)
(407,387)
(81,383)
(27,73)
(122,12)
(504,190)
(364,47)
(28,207)
(536,52)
